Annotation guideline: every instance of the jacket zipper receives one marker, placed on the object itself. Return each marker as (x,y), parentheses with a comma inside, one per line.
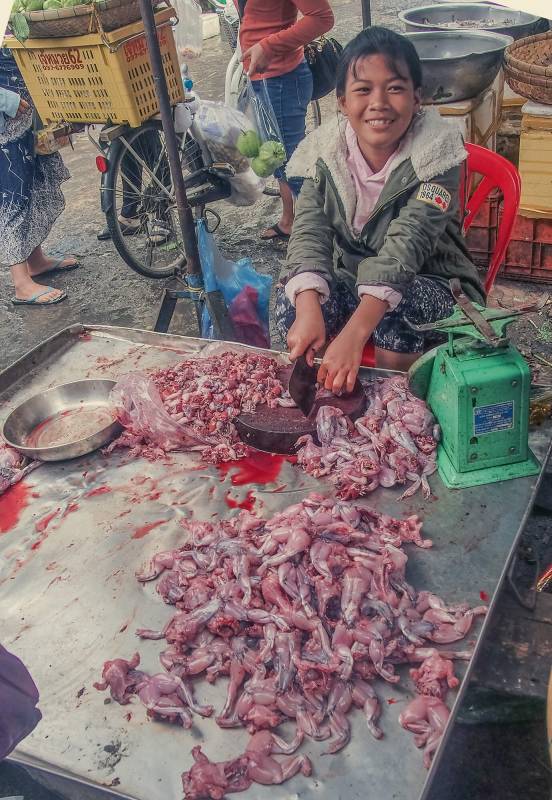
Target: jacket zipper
(376,210)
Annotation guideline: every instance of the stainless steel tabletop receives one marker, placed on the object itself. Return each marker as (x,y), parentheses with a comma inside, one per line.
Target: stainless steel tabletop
(69,599)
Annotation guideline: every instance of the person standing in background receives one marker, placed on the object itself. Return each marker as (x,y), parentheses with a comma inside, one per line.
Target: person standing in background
(272,41)
(30,194)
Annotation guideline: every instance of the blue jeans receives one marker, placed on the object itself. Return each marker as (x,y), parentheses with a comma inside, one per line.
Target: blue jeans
(290,95)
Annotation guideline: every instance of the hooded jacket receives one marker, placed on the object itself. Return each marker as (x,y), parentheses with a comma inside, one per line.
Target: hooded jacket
(414,229)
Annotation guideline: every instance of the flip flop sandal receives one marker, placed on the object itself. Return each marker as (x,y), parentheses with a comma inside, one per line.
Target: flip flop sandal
(280,235)
(57,267)
(34,300)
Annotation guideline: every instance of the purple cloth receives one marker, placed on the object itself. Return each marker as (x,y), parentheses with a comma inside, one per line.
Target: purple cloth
(18,698)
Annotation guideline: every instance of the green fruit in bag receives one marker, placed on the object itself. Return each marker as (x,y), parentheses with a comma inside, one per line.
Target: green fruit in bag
(34,5)
(262,168)
(274,152)
(248,144)
(51,5)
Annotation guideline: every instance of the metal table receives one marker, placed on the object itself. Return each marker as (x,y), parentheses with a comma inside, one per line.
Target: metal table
(69,600)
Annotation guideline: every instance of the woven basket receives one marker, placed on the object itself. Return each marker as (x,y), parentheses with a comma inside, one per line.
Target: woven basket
(107,15)
(528,67)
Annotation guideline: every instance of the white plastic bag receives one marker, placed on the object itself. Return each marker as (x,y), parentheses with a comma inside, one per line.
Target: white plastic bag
(219,126)
(188,32)
(247,189)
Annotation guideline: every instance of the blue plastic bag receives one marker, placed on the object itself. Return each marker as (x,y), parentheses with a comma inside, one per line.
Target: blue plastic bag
(246,292)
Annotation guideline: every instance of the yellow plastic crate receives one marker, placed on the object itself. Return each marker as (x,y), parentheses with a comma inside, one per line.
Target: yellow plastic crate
(98,78)
(535,162)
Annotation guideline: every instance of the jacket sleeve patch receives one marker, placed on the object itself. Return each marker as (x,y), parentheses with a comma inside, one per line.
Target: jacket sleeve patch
(435,195)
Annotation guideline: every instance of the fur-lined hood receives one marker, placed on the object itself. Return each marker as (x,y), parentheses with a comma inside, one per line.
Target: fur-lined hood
(432,145)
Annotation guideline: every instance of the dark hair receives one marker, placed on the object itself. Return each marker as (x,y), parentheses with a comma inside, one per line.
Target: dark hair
(378,41)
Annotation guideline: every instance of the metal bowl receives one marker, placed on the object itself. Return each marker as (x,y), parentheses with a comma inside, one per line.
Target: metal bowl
(454,16)
(64,422)
(458,65)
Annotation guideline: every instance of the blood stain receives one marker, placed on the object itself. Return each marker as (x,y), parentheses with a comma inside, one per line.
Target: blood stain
(85,336)
(139,533)
(98,490)
(484,596)
(43,523)
(259,468)
(246,504)
(12,504)
(391,701)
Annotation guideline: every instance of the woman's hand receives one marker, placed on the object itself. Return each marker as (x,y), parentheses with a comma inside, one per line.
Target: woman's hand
(23,106)
(341,362)
(259,59)
(308,333)
(339,368)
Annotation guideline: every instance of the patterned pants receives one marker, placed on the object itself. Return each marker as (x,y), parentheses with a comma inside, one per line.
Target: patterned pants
(425,300)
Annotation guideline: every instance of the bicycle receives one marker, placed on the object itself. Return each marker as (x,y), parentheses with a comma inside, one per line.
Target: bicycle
(136,191)
(137,196)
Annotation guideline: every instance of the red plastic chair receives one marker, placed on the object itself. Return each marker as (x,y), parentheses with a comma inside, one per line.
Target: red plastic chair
(498,173)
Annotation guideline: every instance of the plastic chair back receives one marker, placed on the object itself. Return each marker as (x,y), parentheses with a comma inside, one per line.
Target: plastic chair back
(497,173)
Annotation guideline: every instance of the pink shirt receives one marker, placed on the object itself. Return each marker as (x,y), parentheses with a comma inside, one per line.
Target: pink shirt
(368,187)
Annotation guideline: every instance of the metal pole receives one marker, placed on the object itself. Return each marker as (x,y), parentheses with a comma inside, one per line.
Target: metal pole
(185,215)
(366,13)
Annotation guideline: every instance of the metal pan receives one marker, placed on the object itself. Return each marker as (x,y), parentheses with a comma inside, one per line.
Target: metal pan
(64,422)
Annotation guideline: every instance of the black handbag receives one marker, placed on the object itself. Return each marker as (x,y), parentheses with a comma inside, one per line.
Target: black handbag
(322,57)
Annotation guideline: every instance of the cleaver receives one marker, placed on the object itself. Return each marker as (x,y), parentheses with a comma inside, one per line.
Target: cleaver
(302,385)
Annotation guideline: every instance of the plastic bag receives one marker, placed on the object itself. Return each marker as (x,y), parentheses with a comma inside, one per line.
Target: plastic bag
(188,31)
(141,412)
(247,189)
(18,698)
(237,280)
(270,152)
(255,103)
(219,126)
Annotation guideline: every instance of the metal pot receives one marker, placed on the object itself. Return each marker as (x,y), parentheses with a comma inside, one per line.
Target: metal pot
(458,65)
(481,16)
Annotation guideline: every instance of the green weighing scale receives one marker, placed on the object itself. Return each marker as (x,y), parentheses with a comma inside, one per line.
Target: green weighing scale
(478,387)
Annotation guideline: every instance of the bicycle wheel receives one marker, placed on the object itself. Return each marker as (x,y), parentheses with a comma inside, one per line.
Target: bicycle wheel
(143,217)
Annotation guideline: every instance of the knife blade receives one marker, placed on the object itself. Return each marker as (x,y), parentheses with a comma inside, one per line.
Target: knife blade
(302,385)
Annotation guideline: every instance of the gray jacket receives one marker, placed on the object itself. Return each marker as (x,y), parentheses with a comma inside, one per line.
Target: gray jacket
(415,227)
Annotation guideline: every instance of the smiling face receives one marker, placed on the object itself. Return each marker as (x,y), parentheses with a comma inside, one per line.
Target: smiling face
(379,102)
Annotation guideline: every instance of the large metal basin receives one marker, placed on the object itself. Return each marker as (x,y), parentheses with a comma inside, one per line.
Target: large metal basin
(471,16)
(64,422)
(458,65)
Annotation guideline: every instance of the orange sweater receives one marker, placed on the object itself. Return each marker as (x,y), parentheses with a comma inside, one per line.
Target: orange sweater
(274,24)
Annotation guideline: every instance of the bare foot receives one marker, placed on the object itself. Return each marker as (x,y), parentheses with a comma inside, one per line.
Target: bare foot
(31,288)
(39,266)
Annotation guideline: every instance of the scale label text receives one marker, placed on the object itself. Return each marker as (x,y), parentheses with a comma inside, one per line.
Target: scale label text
(496,417)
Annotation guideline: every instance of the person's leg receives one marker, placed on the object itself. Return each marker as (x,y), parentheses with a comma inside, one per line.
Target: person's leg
(25,287)
(397,345)
(38,263)
(290,95)
(283,227)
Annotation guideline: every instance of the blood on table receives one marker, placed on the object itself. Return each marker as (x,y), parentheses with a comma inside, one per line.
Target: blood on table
(12,503)
(258,468)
